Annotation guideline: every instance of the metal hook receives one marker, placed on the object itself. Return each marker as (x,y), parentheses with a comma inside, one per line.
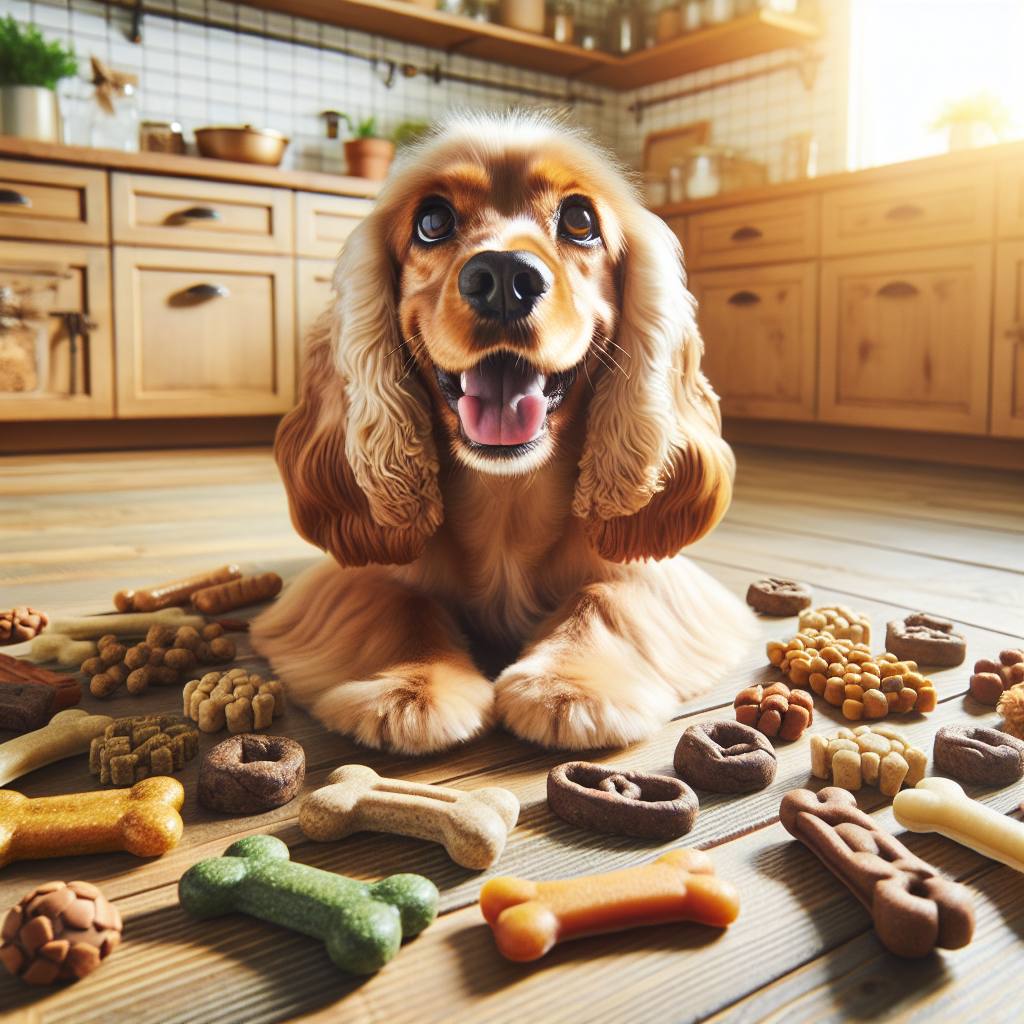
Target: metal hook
(135,33)
(389,79)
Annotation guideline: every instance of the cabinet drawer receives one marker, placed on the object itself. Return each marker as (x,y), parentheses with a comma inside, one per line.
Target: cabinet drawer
(53,204)
(1011,199)
(314,292)
(919,211)
(905,340)
(186,214)
(323,223)
(755,233)
(203,334)
(758,327)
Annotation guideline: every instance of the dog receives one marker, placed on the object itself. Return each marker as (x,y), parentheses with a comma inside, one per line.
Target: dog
(503,441)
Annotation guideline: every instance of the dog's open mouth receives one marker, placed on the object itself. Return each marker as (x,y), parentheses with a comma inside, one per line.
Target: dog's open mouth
(503,402)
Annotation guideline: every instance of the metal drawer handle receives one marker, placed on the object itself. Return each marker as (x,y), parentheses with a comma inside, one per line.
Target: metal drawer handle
(323,280)
(199,293)
(195,213)
(905,211)
(745,234)
(8,197)
(743,299)
(897,290)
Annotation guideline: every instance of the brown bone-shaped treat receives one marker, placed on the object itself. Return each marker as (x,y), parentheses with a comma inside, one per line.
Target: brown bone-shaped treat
(913,907)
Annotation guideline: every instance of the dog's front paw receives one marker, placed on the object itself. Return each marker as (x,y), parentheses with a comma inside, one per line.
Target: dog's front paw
(412,709)
(578,706)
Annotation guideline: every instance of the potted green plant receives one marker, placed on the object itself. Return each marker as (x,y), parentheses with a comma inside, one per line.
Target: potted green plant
(980,119)
(30,68)
(408,133)
(367,154)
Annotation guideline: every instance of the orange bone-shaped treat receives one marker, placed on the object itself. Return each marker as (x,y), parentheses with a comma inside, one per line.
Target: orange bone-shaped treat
(528,918)
(143,820)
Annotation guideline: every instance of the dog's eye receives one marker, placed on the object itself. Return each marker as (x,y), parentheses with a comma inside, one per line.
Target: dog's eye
(578,223)
(435,223)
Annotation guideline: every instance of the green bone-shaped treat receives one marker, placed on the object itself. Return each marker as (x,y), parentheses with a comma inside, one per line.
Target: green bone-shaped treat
(362,924)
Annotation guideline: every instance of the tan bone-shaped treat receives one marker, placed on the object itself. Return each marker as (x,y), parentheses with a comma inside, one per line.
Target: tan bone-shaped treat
(68,733)
(143,820)
(472,826)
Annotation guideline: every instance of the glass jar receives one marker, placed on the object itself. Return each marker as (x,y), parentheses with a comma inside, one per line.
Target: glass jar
(558,24)
(625,28)
(718,11)
(693,15)
(704,174)
(120,129)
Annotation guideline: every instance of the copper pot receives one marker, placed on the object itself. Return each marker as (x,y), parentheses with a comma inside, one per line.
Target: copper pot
(369,158)
(247,145)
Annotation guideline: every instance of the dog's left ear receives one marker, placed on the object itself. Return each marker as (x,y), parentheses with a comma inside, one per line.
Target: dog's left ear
(655,473)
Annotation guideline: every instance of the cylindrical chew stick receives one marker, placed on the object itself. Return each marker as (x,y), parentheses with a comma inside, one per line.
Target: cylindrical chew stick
(152,599)
(68,733)
(226,597)
(92,627)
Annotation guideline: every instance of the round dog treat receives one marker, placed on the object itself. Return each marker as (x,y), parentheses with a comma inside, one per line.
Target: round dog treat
(725,757)
(926,639)
(991,678)
(774,596)
(59,931)
(20,624)
(985,757)
(250,774)
(603,799)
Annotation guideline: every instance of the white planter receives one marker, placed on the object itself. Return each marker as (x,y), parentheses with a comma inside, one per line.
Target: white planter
(29,112)
(971,135)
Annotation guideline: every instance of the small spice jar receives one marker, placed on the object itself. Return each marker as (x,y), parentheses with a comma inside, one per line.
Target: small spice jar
(559,21)
(161,137)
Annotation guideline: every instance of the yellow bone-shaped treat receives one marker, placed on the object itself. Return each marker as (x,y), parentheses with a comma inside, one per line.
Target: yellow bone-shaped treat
(68,733)
(529,918)
(143,820)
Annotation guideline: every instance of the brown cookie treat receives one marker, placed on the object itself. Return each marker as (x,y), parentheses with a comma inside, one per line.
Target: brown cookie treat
(926,639)
(251,774)
(725,757)
(623,803)
(775,710)
(985,757)
(774,596)
(30,696)
(59,932)
(21,623)
(991,678)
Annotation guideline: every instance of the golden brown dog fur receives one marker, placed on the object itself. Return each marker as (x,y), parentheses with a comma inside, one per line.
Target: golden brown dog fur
(562,558)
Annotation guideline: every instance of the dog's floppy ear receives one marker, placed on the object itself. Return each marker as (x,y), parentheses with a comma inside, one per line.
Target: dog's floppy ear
(655,473)
(356,454)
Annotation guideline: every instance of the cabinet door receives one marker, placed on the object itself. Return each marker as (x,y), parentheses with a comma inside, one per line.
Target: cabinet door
(313,294)
(1011,199)
(46,372)
(323,223)
(203,334)
(1008,346)
(758,327)
(53,203)
(905,340)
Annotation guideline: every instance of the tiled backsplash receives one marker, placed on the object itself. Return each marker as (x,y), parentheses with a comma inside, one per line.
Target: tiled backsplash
(218,73)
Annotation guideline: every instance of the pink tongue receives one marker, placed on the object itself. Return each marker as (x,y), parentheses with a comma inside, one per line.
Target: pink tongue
(504,403)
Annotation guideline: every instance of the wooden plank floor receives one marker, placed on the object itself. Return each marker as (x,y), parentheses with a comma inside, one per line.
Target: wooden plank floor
(886,537)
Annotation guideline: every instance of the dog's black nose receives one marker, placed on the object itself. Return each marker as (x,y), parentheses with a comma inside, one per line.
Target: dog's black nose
(504,285)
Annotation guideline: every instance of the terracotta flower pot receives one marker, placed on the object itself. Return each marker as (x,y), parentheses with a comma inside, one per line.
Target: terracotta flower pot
(369,158)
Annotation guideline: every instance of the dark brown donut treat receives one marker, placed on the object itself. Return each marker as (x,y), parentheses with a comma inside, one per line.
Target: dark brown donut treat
(774,596)
(251,773)
(926,639)
(623,803)
(985,757)
(725,757)
(991,678)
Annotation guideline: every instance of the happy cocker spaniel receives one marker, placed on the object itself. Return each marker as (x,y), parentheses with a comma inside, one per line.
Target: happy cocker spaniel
(504,438)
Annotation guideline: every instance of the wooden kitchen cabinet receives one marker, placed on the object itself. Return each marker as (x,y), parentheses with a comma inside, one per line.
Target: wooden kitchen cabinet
(905,340)
(1008,342)
(53,204)
(203,334)
(313,294)
(758,327)
(1011,199)
(323,223)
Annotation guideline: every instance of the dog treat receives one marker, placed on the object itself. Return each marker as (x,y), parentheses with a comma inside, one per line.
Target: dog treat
(991,678)
(529,918)
(237,699)
(362,924)
(926,639)
(810,658)
(1011,707)
(725,757)
(984,757)
(143,820)
(69,732)
(62,649)
(58,932)
(92,627)
(774,596)
(133,749)
(20,624)
(30,696)
(877,755)
(232,625)
(914,908)
(151,599)
(839,620)
(251,774)
(226,597)
(940,805)
(624,803)
(472,826)
(775,710)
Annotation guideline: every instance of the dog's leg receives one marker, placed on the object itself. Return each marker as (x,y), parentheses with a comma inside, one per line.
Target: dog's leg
(375,660)
(616,660)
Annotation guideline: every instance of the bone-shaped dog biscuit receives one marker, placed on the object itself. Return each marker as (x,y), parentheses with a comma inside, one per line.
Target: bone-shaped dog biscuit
(362,924)
(529,918)
(143,820)
(472,826)
(940,805)
(68,733)
(92,627)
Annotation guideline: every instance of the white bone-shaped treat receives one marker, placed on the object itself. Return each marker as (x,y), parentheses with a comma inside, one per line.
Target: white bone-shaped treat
(92,627)
(68,733)
(472,826)
(940,805)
